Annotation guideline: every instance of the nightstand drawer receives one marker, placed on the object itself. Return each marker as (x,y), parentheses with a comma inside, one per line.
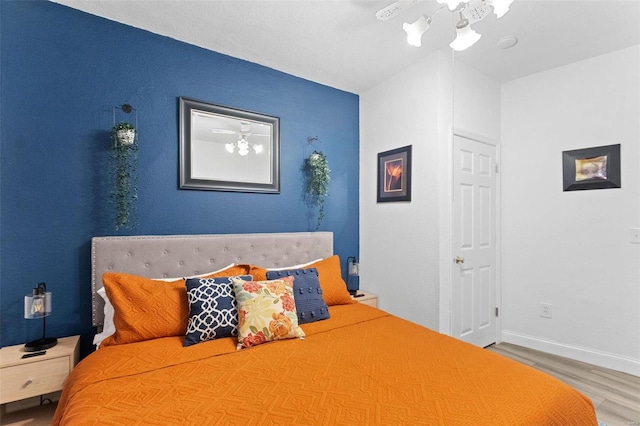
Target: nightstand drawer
(371,302)
(36,378)
(365,298)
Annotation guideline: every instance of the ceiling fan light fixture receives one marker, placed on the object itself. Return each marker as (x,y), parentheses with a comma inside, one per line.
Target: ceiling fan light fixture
(257,148)
(414,31)
(465,37)
(230,147)
(453,4)
(500,7)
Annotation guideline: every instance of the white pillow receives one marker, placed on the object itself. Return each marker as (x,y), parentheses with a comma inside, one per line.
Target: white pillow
(108,327)
(302,265)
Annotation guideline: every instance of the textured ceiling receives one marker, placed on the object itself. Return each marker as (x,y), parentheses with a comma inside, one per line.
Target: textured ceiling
(340,43)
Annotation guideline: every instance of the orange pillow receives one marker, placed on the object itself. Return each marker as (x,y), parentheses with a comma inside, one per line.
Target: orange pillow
(146,309)
(334,289)
(258,273)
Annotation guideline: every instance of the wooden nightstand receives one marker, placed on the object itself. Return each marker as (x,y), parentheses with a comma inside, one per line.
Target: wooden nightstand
(368,299)
(34,376)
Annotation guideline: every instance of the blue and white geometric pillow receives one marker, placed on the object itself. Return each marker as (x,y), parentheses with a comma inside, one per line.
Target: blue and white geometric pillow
(213,312)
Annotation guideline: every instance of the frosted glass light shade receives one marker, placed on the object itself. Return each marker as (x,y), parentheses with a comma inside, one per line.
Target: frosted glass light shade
(500,7)
(414,31)
(465,38)
(452,4)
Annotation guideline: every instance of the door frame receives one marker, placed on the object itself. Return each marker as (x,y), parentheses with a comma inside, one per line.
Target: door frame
(447,266)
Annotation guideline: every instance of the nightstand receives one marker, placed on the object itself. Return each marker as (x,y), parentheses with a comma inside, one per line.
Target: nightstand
(368,299)
(24,378)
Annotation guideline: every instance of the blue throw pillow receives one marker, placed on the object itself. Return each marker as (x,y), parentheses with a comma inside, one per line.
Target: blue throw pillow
(213,312)
(307,293)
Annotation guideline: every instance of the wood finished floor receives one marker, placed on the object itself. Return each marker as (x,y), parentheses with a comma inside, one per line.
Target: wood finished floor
(615,395)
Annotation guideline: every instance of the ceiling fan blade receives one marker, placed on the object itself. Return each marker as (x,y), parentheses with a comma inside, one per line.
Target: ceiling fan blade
(393,9)
(224,131)
(476,12)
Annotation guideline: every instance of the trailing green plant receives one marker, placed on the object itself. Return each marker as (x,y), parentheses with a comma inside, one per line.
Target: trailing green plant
(125,177)
(123,125)
(318,178)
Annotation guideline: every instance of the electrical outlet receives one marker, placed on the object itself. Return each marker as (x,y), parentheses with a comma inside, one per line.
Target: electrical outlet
(545,310)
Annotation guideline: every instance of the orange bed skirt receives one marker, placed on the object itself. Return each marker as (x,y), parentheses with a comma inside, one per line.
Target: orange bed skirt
(360,367)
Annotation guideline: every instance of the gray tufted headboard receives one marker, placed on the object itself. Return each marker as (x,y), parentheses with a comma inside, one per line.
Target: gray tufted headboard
(166,256)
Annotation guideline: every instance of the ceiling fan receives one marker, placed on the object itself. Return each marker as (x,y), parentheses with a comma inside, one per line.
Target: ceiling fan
(242,143)
(471,11)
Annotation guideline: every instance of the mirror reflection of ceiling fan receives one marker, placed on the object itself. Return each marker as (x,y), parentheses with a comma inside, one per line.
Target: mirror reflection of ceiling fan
(242,144)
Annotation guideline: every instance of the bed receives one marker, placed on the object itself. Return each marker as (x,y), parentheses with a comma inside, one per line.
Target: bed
(356,366)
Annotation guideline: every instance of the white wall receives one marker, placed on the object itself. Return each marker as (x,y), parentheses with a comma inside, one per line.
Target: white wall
(572,249)
(404,247)
(399,240)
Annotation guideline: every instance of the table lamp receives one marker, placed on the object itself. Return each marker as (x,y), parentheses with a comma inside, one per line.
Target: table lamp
(353,276)
(38,305)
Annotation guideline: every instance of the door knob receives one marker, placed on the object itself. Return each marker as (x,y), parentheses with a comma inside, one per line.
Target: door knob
(459,259)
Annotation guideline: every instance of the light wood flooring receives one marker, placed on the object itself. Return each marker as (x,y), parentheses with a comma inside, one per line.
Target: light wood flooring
(615,395)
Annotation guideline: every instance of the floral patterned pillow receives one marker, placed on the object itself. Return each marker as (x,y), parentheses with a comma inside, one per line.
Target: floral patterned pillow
(266,311)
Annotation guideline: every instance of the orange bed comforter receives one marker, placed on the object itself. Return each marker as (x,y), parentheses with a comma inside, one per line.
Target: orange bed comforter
(360,367)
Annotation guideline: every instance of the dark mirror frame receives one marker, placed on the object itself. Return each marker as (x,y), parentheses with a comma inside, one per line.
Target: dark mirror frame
(612,180)
(187,182)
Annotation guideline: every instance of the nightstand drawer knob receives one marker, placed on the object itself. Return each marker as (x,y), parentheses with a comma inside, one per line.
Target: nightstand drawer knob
(27,383)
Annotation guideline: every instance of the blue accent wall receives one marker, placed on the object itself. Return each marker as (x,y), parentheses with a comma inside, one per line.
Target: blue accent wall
(62,71)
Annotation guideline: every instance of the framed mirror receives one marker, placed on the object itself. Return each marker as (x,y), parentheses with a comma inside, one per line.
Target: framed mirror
(228,149)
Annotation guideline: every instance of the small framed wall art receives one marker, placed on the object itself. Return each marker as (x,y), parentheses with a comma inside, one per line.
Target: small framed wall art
(591,168)
(394,175)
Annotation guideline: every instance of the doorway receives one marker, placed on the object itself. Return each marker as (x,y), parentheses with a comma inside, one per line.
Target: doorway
(474,307)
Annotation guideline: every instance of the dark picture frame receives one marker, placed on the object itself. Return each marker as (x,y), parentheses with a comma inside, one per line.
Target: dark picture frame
(591,168)
(394,175)
(228,149)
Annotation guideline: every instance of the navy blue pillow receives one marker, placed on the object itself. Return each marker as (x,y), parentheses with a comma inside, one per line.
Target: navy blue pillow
(306,292)
(213,312)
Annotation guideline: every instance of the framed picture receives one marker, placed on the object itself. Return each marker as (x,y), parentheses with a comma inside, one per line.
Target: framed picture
(228,149)
(394,175)
(591,168)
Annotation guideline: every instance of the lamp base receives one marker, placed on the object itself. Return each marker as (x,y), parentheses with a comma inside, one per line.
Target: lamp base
(40,344)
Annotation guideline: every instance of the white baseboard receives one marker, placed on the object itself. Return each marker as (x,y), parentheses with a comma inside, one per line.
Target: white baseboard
(601,359)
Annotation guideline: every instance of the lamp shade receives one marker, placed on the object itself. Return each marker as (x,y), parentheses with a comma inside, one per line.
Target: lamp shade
(354,267)
(500,7)
(414,31)
(453,4)
(37,304)
(465,38)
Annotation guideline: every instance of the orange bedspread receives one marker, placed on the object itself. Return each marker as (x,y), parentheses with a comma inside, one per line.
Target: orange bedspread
(360,367)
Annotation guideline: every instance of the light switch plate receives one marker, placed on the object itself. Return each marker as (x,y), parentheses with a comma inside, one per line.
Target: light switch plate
(634,235)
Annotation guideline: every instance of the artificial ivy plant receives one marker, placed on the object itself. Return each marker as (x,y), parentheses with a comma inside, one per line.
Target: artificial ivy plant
(318,176)
(125,191)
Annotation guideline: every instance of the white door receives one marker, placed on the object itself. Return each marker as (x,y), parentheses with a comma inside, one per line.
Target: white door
(473,306)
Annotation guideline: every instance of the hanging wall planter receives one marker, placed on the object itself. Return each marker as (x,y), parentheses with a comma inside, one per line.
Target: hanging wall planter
(318,178)
(124,150)
(125,133)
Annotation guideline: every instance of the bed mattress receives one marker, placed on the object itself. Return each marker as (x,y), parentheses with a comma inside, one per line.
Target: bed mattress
(362,366)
